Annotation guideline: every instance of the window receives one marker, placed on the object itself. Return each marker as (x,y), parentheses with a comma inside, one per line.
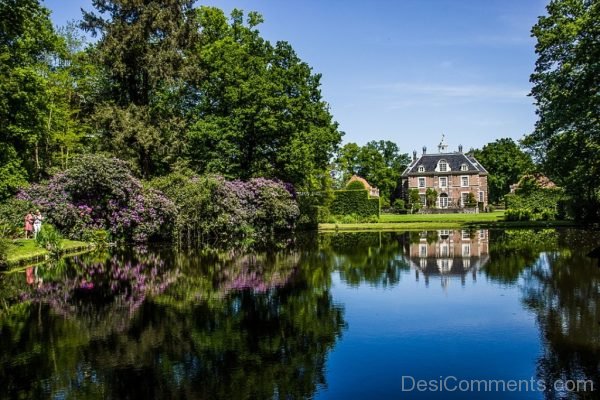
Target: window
(466,234)
(423,199)
(421,182)
(421,168)
(481,197)
(464,167)
(423,250)
(464,181)
(444,201)
(482,233)
(443,182)
(443,166)
(444,250)
(466,250)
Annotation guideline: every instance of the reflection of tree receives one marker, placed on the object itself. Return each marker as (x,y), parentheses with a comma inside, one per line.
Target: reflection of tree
(563,291)
(511,251)
(262,335)
(373,257)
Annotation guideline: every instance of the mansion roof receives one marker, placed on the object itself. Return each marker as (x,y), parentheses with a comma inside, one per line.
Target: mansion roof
(457,163)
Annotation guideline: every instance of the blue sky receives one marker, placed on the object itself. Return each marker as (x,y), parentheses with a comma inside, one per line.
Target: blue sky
(407,70)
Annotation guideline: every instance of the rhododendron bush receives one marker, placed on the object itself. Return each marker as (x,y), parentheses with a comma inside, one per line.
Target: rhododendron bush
(101,193)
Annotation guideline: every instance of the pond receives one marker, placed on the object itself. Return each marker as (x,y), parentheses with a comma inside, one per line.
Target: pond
(486,314)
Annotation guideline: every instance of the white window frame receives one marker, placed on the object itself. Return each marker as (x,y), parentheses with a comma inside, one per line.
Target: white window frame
(465,234)
(421,252)
(481,196)
(462,181)
(423,199)
(445,178)
(466,250)
(445,164)
(464,167)
(440,201)
(421,168)
(419,182)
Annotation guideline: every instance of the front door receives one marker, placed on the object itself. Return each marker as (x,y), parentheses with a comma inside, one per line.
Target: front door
(443,201)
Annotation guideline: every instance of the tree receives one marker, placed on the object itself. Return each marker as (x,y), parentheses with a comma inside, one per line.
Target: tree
(147,51)
(431,197)
(566,138)
(379,162)
(506,164)
(27,42)
(261,112)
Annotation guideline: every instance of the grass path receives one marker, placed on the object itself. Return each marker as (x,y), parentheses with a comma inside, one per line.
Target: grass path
(23,250)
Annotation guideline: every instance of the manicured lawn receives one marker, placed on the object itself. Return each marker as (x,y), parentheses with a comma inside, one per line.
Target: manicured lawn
(411,218)
(394,222)
(26,249)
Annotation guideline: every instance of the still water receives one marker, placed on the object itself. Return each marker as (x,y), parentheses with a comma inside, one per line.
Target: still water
(485,314)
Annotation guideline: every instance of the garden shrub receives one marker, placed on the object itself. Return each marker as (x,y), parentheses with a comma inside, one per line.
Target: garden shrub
(4,244)
(12,217)
(535,204)
(355,202)
(101,193)
(211,209)
(356,185)
(49,238)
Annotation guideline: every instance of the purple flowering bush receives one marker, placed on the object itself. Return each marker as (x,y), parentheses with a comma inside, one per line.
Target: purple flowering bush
(101,193)
(213,210)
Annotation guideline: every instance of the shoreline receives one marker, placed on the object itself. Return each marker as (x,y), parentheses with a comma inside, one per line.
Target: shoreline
(24,251)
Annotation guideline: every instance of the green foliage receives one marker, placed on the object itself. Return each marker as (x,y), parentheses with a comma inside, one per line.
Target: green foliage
(355,185)
(12,216)
(49,238)
(100,237)
(261,110)
(471,200)
(4,245)
(348,202)
(380,162)
(431,197)
(534,204)
(506,163)
(414,200)
(565,88)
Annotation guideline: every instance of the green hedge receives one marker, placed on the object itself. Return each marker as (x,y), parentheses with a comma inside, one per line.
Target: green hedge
(348,202)
(538,204)
(355,185)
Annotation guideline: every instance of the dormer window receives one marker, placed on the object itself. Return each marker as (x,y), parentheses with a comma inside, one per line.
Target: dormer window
(421,168)
(442,166)
(464,167)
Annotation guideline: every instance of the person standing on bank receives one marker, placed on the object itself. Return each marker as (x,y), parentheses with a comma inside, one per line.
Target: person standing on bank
(28,225)
(37,223)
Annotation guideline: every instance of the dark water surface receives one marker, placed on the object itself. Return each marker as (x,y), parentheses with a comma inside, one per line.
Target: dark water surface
(411,315)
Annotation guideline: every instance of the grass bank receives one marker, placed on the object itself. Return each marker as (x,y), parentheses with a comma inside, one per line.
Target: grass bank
(26,250)
(395,222)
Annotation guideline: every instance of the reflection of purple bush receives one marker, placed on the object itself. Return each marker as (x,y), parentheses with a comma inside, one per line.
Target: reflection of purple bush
(100,192)
(252,273)
(125,285)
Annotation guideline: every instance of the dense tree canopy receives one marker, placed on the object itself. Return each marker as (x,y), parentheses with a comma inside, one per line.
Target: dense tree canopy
(566,81)
(506,164)
(166,84)
(380,162)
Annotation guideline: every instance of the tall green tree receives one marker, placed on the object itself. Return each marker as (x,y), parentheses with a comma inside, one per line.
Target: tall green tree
(27,44)
(565,88)
(506,164)
(260,110)
(380,162)
(147,51)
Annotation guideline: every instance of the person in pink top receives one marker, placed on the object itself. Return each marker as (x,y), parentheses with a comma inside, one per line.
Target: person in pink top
(29,225)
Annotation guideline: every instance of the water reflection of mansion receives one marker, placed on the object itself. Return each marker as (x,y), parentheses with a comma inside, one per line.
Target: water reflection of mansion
(448,253)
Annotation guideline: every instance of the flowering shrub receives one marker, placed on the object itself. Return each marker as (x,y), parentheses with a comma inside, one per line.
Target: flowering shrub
(213,210)
(101,193)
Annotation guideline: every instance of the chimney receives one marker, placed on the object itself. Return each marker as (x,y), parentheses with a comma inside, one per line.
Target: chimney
(424,149)
(414,155)
(460,148)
